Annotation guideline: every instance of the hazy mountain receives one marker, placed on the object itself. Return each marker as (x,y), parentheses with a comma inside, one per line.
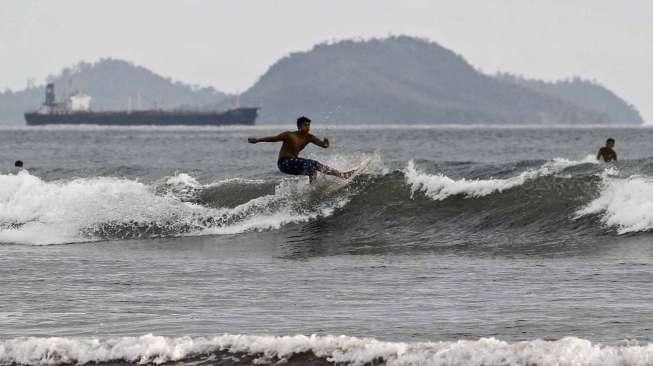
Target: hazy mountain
(584,93)
(409,80)
(110,83)
(393,80)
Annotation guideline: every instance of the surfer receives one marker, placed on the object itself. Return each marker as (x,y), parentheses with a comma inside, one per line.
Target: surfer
(607,152)
(289,161)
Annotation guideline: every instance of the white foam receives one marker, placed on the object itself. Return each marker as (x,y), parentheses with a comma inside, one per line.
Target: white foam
(624,203)
(33,211)
(438,186)
(338,349)
(55,212)
(184,180)
(345,162)
(236,180)
(283,207)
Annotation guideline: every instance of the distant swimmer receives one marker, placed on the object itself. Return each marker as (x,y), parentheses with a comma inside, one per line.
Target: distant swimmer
(18,165)
(289,161)
(607,152)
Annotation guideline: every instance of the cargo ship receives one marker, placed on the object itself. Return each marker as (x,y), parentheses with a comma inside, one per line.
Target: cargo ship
(76,109)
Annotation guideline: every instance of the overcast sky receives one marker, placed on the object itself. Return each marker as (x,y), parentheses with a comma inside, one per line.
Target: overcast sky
(229,44)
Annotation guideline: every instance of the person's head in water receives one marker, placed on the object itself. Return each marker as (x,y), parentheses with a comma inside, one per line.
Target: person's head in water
(303,124)
(18,164)
(609,143)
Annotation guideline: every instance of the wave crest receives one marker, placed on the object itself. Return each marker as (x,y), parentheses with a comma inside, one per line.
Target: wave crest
(150,349)
(33,211)
(623,203)
(439,186)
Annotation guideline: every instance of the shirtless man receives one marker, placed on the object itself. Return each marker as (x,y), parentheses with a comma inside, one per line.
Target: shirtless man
(289,161)
(606,152)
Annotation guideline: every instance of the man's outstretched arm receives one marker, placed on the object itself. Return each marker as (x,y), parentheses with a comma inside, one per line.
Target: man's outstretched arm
(280,137)
(321,143)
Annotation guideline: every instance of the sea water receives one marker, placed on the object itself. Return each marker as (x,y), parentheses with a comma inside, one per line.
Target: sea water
(459,246)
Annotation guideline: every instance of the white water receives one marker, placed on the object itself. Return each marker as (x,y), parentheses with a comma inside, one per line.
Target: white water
(438,186)
(33,211)
(623,203)
(342,349)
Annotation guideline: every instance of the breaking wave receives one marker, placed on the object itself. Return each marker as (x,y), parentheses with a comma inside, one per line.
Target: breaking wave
(537,196)
(33,211)
(440,186)
(623,203)
(316,350)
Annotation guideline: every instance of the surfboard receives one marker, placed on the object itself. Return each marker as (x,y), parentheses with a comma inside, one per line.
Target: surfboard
(345,182)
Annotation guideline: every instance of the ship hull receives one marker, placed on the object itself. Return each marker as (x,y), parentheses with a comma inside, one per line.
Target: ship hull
(238,116)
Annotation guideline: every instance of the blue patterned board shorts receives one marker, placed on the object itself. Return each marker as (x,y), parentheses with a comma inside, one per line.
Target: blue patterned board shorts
(299,166)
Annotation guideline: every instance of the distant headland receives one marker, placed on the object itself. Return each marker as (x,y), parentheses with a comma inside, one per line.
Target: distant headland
(378,81)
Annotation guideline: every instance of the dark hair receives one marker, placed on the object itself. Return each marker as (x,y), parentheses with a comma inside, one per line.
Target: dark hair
(18,164)
(609,141)
(303,119)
